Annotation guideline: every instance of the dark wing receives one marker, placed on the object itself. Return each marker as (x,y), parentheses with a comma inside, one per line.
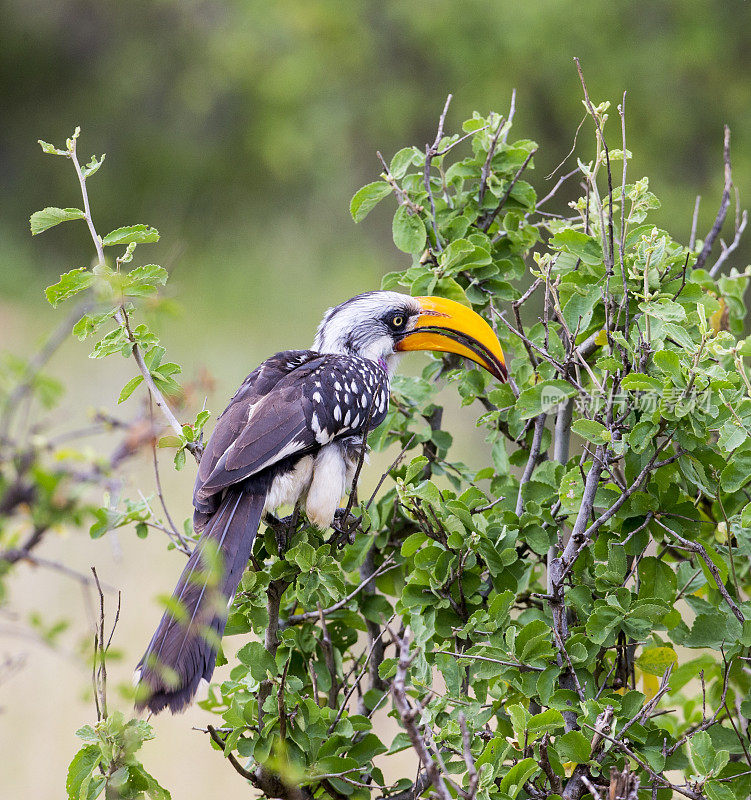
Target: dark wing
(293,404)
(234,418)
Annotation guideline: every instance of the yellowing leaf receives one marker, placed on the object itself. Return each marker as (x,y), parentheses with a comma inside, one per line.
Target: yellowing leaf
(719,320)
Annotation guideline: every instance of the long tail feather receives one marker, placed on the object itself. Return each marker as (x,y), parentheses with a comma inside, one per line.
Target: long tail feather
(183,649)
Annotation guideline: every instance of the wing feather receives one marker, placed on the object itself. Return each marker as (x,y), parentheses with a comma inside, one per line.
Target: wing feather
(287,408)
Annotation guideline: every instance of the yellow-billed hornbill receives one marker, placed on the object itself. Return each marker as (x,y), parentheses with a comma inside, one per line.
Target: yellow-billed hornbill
(292,434)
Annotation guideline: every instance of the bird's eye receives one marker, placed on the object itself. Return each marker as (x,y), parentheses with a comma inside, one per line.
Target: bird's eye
(397,321)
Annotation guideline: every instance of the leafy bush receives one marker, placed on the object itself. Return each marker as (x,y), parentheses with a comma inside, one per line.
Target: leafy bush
(569,620)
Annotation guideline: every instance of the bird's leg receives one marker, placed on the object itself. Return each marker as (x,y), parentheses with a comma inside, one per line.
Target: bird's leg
(283,528)
(345,526)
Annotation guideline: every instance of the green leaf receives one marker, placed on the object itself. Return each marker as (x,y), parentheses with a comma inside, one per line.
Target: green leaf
(737,472)
(591,431)
(666,310)
(129,388)
(413,543)
(143,281)
(450,289)
(669,363)
(401,162)
(51,149)
(635,381)
(140,234)
(180,459)
(573,746)
(170,441)
(415,467)
(578,310)
(408,231)
(655,660)
(517,776)
(720,791)
(656,580)
(543,397)
(49,217)
(258,659)
(545,722)
(115,341)
(578,244)
(367,198)
(70,283)
(85,761)
(93,166)
(701,751)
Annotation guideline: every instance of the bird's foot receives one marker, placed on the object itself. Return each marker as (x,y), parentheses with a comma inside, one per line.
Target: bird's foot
(345,527)
(283,529)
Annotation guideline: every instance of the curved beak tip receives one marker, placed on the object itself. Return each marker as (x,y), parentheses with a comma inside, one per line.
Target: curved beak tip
(450,327)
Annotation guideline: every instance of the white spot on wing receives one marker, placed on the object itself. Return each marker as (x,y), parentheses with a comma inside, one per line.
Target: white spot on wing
(337,413)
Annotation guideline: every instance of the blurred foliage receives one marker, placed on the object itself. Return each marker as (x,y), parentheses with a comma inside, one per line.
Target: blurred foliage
(225,115)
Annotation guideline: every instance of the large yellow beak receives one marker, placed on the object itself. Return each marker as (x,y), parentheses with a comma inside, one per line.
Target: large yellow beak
(449,327)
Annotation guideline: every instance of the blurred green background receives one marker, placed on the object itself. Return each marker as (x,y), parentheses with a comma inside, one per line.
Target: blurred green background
(241,130)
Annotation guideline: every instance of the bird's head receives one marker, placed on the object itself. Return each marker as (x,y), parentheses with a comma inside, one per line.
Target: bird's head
(381,325)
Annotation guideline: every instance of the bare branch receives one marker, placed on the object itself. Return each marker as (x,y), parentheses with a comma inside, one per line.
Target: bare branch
(696,547)
(701,259)
(521,667)
(686,792)
(728,249)
(534,457)
(36,364)
(694,221)
(469,760)
(485,172)
(486,220)
(356,683)
(408,715)
(431,151)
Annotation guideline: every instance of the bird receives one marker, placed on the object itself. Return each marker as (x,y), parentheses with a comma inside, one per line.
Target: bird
(292,436)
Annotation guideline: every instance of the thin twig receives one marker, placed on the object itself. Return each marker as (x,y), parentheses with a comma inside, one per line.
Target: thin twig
(431,151)
(487,219)
(701,259)
(356,683)
(728,249)
(520,666)
(485,172)
(407,714)
(298,619)
(121,317)
(694,222)
(696,547)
